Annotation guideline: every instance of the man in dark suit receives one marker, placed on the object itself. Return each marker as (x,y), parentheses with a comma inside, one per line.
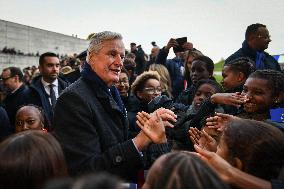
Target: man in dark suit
(46,88)
(90,120)
(257,39)
(13,81)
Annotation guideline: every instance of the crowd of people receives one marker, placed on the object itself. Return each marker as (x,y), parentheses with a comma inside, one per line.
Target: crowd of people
(111,118)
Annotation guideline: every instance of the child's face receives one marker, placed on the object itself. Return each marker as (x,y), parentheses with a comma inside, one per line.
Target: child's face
(152,89)
(230,79)
(28,118)
(259,95)
(204,91)
(123,84)
(199,71)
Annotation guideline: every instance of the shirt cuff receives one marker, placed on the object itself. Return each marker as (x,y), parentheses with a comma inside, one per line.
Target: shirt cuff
(141,154)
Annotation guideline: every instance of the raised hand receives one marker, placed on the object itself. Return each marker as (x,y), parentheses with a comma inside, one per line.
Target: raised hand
(234,99)
(221,166)
(203,139)
(220,121)
(153,126)
(166,116)
(172,43)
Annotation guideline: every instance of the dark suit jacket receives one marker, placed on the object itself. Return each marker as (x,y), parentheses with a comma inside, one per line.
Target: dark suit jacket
(246,51)
(14,101)
(39,97)
(93,132)
(73,76)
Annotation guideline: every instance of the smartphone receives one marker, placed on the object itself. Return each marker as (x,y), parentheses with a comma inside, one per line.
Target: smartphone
(180,42)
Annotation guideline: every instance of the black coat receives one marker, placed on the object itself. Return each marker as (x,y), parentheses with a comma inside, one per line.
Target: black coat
(38,96)
(73,76)
(246,51)
(5,128)
(14,101)
(93,132)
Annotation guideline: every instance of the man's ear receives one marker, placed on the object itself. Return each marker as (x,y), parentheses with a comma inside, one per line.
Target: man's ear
(40,68)
(17,77)
(238,163)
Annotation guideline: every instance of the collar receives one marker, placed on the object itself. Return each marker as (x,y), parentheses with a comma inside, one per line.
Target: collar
(45,84)
(17,89)
(249,50)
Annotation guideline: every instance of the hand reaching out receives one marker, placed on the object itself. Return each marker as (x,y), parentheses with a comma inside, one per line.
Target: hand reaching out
(221,166)
(234,99)
(166,116)
(153,126)
(203,139)
(220,121)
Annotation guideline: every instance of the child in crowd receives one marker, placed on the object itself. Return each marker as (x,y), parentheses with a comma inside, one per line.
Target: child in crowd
(182,170)
(30,117)
(264,90)
(202,68)
(29,159)
(190,55)
(123,86)
(235,74)
(146,87)
(165,80)
(254,147)
(192,115)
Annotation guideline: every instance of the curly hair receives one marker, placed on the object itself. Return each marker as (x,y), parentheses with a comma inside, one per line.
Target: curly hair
(139,83)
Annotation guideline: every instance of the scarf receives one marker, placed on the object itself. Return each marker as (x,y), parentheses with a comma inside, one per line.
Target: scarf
(112,92)
(260,56)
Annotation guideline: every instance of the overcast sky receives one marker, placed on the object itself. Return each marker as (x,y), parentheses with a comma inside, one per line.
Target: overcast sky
(216,27)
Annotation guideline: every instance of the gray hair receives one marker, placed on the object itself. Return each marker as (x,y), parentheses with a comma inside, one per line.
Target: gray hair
(97,40)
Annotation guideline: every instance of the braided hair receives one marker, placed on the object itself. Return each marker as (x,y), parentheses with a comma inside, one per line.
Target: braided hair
(243,64)
(275,80)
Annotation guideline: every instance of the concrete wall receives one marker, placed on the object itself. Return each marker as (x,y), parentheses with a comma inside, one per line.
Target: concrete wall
(21,61)
(32,40)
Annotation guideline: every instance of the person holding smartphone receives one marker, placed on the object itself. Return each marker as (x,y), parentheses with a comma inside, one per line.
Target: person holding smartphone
(175,66)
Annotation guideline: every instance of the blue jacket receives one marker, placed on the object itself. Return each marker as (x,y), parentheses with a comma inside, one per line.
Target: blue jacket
(268,63)
(175,67)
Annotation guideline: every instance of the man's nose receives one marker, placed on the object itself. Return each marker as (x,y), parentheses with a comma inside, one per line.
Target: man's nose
(119,60)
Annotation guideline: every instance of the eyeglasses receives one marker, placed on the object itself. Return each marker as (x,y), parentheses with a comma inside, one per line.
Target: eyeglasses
(5,79)
(268,37)
(152,90)
(122,82)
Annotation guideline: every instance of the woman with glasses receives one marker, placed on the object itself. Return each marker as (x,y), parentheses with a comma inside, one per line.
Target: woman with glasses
(146,87)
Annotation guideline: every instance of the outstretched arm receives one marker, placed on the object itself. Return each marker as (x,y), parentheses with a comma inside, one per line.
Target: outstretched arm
(230,174)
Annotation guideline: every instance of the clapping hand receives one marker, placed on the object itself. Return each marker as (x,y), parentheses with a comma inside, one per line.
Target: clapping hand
(203,139)
(153,125)
(220,121)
